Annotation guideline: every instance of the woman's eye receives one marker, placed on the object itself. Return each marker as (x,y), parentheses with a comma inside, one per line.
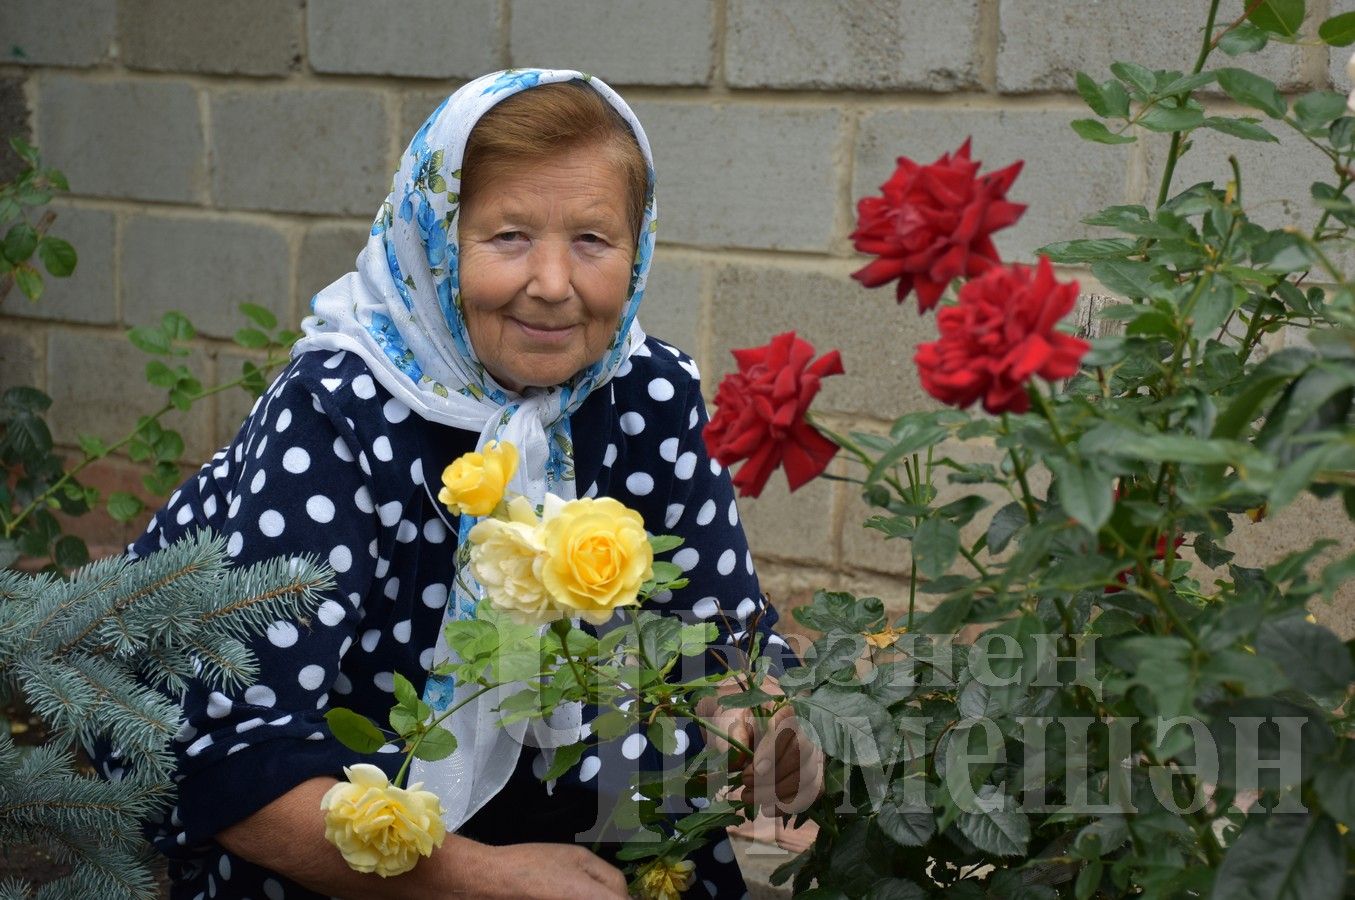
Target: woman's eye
(509,236)
(592,239)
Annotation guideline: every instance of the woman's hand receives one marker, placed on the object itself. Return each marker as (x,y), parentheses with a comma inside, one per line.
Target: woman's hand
(545,872)
(785,774)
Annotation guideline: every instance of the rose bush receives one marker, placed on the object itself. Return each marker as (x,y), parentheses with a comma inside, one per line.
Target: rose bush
(1142,714)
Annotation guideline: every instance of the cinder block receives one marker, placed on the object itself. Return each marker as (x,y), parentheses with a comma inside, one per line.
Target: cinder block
(420,38)
(790,527)
(204,268)
(744,176)
(417,106)
(13,123)
(243,37)
(131,139)
(88,294)
(71,33)
(620,41)
(892,44)
(1064,178)
(1276,178)
(20,358)
(877,337)
(328,252)
(326,150)
(672,305)
(97,387)
(1043,43)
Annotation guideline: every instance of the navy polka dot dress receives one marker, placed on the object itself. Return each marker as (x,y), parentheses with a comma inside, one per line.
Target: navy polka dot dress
(331,465)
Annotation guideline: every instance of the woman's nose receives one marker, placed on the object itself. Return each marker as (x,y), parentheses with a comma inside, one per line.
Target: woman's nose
(551,272)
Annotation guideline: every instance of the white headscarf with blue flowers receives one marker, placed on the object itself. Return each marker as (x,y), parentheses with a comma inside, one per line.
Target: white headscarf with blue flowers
(401,312)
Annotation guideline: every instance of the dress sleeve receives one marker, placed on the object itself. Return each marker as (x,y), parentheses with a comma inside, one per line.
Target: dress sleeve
(722,583)
(296,483)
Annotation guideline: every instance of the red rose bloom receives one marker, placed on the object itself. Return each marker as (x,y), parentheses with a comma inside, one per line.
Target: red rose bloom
(933,224)
(760,414)
(999,335)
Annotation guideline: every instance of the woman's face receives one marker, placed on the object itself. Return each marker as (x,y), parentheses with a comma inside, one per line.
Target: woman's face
(546,255)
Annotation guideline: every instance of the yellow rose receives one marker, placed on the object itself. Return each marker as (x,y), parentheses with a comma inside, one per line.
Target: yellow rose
(664,880)
(474,483)
(379,827)
(597,556)
(506,557)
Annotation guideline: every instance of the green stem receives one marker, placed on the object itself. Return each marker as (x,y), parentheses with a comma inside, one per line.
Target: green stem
(418,739)
(12,524)
(1174,152)
(710,728)
(1027,497)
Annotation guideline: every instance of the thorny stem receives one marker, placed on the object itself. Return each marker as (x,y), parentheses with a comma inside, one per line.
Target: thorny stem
(1207,45)
(418,739)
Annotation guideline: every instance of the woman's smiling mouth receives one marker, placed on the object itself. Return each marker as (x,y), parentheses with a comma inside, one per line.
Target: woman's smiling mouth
(548,334)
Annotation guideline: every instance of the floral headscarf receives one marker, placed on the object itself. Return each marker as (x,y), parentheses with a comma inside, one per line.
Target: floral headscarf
(401,312)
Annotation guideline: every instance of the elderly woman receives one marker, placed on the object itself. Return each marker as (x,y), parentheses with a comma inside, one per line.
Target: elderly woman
(496,299)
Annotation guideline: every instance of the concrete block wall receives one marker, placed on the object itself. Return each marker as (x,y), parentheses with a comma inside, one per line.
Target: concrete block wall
(221,153)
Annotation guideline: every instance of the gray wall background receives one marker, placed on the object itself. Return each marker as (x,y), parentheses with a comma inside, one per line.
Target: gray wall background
(221,152)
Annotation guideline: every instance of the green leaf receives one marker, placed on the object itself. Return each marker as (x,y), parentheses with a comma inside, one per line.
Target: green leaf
(259,315)
(176,325)
(1335,788)
(1091,92)
(1252,90)
(405,694)
(1245,38)
(1282,17)
(20,242)
(438,743)
(1338,31)
(1086,491)
(57,255)
(1284,857)
(1212,307)
(354,731)
(1128,277)
(92,446)
(566,758)
(1096,130)
(1003,830)
(251,338)
(1134,75)
(662,543)
(1318,109)
(1187,83)
(161,375)
(123,506)
(908,825)
(1240,128)
(1087,250)
(895,889)
(29,281)
(1314,659)
(1168,118)
(935,546)
(848,725)
(149,340)
(1005,523)
(70,552)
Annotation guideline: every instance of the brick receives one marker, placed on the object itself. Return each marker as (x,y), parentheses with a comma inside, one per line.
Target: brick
(796,527)
(672,306)
(20,358)
(88,294)
(129,139)
(1043,43)
(13,123)
(244,37)
(204,268)
(71,33)
(97,388)
(744,176)
(326,150)
(328,252)
(620,41)
(419,38)
(894,44)
(753,302)
(1064,178)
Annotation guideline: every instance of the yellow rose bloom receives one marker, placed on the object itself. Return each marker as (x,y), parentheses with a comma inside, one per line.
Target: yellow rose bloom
(506,558)
(379,827)
(664,880)
(597,556)
(474,483)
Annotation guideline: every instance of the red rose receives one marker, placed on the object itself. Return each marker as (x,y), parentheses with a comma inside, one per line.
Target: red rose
(999,335)
(933,224)
(760,414)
